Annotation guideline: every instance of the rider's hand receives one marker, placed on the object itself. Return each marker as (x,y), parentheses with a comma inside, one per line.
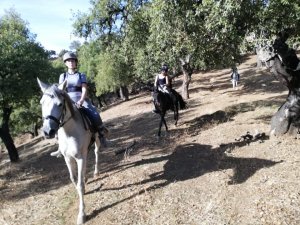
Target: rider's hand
(79,103)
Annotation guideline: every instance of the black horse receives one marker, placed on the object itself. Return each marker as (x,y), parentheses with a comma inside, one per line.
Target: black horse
(163,102)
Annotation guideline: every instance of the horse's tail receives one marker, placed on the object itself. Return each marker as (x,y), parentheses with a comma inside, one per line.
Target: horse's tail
(182,103)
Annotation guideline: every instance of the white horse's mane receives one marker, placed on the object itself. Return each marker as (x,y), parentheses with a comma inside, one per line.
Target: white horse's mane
(58,92)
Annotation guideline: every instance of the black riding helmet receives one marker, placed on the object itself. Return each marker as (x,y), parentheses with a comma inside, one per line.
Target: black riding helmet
(70,55)
(164,68)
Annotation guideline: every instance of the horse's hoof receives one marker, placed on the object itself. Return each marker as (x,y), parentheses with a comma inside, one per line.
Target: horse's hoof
(81,219)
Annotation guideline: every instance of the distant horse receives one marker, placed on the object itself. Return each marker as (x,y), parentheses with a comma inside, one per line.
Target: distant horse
(163,103)
(62,117)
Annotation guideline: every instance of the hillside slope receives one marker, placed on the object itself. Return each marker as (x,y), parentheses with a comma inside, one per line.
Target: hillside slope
(199,173)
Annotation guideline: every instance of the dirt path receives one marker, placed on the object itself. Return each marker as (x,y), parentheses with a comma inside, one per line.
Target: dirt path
(197,174)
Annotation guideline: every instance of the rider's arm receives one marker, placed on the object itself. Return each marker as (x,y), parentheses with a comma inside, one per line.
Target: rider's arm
(167,81)
(155,82)
(83,94)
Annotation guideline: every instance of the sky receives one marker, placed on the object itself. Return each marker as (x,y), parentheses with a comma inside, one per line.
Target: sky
(50,20)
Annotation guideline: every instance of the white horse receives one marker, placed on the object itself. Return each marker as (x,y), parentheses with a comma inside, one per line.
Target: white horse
(62,117)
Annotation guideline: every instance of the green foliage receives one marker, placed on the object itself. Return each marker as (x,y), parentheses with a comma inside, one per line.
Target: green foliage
(279,15)
(22,60)
(57,68)
(149,33)
(112,72)
(24,118)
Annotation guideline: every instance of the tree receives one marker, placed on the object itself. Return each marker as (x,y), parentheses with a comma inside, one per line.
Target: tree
(75,45)
(191,35)
(21,61)
(112,73)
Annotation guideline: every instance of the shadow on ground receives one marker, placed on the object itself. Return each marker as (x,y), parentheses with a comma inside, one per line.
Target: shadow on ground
(41,172)
(190,161)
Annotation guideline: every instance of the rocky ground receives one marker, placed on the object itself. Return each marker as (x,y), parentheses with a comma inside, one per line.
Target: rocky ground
(201,172)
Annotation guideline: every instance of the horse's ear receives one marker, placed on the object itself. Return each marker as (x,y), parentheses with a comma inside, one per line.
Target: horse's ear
(42,85)
(63,85)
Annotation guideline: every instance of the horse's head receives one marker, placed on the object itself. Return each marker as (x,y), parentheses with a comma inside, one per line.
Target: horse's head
(155,97)
(53,105)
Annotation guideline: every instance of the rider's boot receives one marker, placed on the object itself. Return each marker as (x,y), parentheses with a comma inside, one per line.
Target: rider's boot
(102,138)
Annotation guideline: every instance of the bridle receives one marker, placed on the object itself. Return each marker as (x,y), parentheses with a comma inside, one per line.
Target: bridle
(60,121)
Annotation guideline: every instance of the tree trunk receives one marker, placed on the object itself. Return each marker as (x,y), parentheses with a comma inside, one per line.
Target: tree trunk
(287,119)
(185,85)
(6,137)
(35,130)
(124,93)
(187,76)
(280,124)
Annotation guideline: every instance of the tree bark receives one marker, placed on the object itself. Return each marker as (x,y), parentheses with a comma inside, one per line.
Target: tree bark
(35,130)
(185,85)
(287,119)
(124,93)
(6,137)
(187,76)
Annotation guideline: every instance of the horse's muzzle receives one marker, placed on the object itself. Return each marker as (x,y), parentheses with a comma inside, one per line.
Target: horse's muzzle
(50,134)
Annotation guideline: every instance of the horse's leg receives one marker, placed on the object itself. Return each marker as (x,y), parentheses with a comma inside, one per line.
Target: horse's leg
(176,114)
(81,163)
(160,124)
(96,151)
(162,120)
(71,167)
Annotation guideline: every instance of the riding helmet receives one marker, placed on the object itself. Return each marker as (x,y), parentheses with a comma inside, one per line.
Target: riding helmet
(69,55)
(164,68)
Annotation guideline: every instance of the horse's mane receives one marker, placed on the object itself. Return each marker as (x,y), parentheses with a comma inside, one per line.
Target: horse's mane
(57,92)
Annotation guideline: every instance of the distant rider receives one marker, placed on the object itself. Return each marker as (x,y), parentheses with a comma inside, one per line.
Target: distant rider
(163,83)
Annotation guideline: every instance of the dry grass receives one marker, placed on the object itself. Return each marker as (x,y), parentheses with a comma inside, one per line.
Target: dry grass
(197,174)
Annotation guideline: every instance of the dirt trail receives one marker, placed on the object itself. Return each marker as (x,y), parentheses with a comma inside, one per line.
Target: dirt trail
(197,174)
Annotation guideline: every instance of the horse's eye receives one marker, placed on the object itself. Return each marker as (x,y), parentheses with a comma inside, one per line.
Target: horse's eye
(60,105)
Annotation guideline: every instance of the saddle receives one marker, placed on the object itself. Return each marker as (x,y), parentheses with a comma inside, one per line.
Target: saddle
(171,96)
(87,123)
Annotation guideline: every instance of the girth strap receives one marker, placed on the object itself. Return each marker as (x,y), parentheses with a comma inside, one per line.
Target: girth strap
(74,89)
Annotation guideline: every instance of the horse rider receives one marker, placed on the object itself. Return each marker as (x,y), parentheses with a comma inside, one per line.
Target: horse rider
(77,90)
(163,83)
(235,77)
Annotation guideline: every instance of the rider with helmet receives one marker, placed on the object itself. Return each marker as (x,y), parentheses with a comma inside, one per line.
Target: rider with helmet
(77,90)
(163,83)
